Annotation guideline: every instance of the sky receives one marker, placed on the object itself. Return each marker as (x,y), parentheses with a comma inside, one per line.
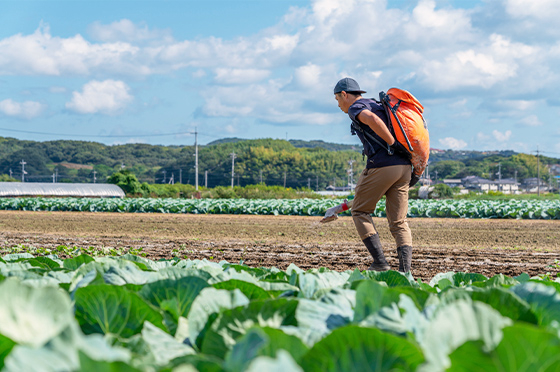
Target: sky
(141,71)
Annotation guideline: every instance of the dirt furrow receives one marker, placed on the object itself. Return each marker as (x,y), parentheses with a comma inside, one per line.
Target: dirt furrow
(484,246)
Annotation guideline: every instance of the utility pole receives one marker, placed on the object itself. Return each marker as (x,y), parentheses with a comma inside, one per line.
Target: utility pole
(206,178)
(309,183)
(436,176)
(56,172)
(10,172)
(538,174)
(171,180)
(195,159)
(284,179)
(500,176)
(232,167)
(94,177)
(164,175)
(261,175)
(351,174)
(317,184)
(180,175)
(23,172)
(53,178)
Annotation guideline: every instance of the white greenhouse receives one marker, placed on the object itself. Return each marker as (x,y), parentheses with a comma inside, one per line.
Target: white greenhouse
(78,190)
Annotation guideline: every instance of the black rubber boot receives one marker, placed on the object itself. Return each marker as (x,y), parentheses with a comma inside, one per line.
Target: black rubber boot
(405,258)
(373,245)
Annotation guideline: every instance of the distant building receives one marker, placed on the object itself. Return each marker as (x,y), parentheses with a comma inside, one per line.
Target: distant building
(339,188)
(480,184)
(453,182)
(533,185)
(508,186)
(80,190)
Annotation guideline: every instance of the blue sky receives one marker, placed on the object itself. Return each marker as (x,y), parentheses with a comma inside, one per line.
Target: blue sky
(152,71)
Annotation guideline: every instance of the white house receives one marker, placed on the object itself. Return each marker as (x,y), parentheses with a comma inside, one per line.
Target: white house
(479,184)
(508,186)
(533,185)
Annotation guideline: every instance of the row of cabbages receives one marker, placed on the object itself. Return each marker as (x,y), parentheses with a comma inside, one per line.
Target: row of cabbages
(521,209)
(130,313)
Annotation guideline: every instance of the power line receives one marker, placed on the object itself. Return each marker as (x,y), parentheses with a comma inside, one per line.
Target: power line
(96,135)
(108,135)
(549,152)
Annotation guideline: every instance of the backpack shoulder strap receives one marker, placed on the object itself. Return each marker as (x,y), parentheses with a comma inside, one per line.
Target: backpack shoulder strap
(357,126)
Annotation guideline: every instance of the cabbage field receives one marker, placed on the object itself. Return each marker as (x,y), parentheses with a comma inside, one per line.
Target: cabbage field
(129,313)
(519,209)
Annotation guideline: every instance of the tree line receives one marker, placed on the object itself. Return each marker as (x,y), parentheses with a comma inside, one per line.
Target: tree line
(293,163)
(272,161)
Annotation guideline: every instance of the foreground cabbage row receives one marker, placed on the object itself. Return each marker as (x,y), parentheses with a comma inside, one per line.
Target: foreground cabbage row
(528,209)
(129,313)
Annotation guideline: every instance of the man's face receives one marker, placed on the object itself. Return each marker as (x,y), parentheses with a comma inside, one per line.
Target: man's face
(343,101)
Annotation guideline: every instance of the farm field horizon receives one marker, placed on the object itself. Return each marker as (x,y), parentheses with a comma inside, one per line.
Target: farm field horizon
(484,246)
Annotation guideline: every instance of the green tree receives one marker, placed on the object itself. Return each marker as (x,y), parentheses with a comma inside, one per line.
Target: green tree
(7,178)
(441,191)
(447,168)
(127,181)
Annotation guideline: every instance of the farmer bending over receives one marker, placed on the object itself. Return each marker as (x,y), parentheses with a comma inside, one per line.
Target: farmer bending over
(388,172)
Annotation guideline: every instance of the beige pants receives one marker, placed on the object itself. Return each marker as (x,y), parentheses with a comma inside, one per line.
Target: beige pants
(373,184)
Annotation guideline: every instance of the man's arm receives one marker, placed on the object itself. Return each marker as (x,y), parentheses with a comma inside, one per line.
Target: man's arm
(377,125)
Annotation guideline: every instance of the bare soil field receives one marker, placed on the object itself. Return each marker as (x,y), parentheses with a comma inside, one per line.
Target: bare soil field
(489,246)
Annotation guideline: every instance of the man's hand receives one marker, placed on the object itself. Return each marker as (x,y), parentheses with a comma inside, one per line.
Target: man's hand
(332,213)
(413,180)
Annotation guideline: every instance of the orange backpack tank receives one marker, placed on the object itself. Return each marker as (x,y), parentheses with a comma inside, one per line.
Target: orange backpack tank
(408,126)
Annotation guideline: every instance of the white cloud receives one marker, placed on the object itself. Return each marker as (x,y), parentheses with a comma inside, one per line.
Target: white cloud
(518,105)
(107,97)
(230,129)
(460,104)
(308,76)
(531,121)
(200,73)
(239,76)
(453,143)
(438,23)
(276,104)
(42,54)
(541,9)
(126,30)
(25,110)
(501,137)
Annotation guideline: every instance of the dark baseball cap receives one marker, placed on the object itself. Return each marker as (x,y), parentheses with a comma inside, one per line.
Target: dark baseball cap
(348,85)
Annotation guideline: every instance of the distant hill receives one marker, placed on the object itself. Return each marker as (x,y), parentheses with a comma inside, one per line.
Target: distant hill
(299,144)
(225,140)
(294,163)
(325,145)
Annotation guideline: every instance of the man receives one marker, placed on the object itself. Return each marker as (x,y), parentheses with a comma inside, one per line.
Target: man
(388,172)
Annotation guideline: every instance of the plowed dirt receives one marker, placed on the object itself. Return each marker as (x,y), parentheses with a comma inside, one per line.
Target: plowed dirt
(490,246)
